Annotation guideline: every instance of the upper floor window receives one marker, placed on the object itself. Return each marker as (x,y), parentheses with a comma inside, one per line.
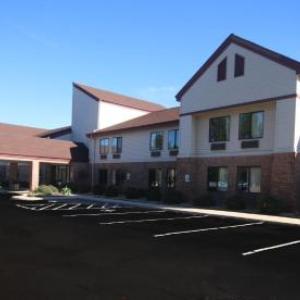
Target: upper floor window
(156,141)
(116,145)
(219,129)
(104,145)
(239,65)
(222,70)
(173,139)
(251,125)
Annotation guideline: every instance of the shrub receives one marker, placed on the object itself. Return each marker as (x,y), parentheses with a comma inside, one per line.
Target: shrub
(205,200)
(153,194)
(46,190)
(66,191)
(134,193)
(235,202)
(173,196)
(270,205)
(112,191)
(99,189)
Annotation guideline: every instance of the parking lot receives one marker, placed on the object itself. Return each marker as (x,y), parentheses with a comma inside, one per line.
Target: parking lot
(96,250)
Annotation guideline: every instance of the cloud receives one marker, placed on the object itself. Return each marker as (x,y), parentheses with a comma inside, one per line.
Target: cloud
(162,94)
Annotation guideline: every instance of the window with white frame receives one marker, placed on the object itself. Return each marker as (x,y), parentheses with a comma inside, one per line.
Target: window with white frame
(104,146)
(173,139)
(116,145)
(156,141)
(249,179)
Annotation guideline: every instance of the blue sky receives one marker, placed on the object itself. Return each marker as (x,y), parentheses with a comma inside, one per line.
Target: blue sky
(146,49)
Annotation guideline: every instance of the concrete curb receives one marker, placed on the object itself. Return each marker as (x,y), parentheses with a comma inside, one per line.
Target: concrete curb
(212,212)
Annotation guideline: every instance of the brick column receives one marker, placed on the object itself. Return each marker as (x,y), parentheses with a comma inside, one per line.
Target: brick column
(35,175)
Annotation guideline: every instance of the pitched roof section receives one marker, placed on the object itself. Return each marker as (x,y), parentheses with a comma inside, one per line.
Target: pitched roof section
(110,97)
(170,115)
(35,147)
(55,133)
(20,130)
(267,53)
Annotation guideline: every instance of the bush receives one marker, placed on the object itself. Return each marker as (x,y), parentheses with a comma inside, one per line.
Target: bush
(99,189)
(134,193)
(153,194)
(173,196)
(270,205)
(235,202)
(205,200)
(66,191)
(112,191)
(46,190)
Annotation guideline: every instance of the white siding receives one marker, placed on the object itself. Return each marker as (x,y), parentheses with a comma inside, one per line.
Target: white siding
(136,147)
(263,79)
(233,146)
(84,116)
(111,114)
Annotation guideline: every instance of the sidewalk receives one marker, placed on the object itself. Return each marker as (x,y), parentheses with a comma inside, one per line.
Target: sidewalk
(212,212)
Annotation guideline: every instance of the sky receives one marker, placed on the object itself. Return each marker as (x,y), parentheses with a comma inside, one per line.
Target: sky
(145,49)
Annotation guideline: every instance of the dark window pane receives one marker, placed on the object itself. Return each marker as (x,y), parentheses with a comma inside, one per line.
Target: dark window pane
(173,139)
(116,145)
(156,141)
(103,177)
(219,129)
(239,66)
(171,178)
(155,177)
(257,123)
(243,179)
(104,145)
(245,126)
(217,179)
(222,70)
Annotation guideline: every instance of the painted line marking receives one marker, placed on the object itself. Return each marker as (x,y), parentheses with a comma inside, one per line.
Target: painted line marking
(112,213)
(90,206)
(59,207)
(152,220)
(205,229)
(25,207)
(46,207)
(271,248)
(74,206)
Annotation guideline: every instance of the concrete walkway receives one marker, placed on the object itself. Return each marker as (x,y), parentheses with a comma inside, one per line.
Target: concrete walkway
(212,212)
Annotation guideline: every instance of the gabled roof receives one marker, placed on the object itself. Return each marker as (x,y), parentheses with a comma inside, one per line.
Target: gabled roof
(114,98)
(39,148)
(267,53)
(161,117)
(57,132)
(20,130)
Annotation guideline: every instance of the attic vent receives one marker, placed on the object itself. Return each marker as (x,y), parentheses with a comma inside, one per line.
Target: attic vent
(222,70)
(239,65)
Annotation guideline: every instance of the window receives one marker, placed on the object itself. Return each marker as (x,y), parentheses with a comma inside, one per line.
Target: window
(251,125)
(171,178)
(156,141)
(217,179)
(239,65)
(116,145)
(219,129)
(222,70)
(173,139)
(104,146)
(155,177)
(249,179)
(118,177)
(103,177)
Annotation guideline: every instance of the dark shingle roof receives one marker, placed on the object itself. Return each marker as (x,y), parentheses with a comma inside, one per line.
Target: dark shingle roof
(170,115)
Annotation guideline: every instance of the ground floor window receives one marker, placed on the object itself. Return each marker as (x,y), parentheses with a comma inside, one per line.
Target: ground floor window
(103,177)
(217,179)
(155,177)
(118,177)
(249,179)
(171,178)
